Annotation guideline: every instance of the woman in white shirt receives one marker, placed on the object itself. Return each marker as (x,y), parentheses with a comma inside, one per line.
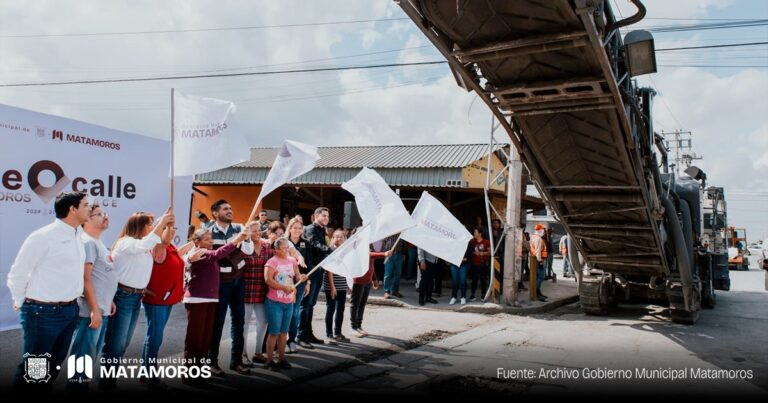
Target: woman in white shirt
(132,260)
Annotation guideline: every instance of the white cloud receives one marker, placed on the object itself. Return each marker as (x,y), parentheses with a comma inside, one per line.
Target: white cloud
(674,9)
(726,111)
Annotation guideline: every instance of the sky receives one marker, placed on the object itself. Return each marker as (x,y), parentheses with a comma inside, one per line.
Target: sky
(719,95)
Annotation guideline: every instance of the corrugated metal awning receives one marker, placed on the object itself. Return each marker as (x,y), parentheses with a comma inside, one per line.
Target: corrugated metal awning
(416,156)
(422,177)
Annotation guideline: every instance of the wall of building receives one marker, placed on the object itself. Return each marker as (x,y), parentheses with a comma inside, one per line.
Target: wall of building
(241,197)
(476,172)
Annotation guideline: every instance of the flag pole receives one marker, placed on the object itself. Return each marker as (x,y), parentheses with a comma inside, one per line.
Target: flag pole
(255,209)
(314,269)
(317,266)
(173,136)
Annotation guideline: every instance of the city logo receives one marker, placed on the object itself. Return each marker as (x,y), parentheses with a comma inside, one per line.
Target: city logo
(57,134)
(40,132)
(79,369)
(37,368)
(113,186)
(45,193)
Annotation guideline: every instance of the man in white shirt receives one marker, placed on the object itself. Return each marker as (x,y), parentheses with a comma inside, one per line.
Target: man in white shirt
(45,281)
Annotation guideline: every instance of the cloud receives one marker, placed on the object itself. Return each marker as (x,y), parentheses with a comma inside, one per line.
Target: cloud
(724,109)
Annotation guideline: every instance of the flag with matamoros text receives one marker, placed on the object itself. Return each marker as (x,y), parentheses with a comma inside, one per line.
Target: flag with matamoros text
(351,259)
(205,139)
(437,231)
(378,205)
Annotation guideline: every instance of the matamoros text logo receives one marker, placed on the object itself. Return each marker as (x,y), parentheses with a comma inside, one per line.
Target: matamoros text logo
(46,179)
(80,369)
(80,139)
(202,131)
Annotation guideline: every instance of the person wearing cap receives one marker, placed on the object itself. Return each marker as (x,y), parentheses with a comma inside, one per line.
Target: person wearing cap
(539,252)
(263,223)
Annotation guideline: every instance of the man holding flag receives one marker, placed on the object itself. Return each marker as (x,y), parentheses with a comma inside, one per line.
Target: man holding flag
(317,251)
(205,139)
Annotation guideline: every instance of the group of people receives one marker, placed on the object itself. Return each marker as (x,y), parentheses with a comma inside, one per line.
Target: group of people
(540,247)
(73,293)
(77,296)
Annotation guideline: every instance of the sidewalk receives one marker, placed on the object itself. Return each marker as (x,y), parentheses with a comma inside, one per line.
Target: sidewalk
(564,291)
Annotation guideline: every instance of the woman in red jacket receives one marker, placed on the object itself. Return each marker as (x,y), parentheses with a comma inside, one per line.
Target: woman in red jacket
(164,290)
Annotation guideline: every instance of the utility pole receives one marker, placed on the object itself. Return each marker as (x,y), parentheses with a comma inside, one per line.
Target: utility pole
(512,248)
(503,284)
(681,143)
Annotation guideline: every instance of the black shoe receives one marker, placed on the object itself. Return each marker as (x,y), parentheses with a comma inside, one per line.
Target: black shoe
(258,359)
(305,344)
(421,301)
(284,364)
(240,368)
(272,366)
(341,338)
(314,340)
(397,294)
(431,300)
(541,298)
(217,371)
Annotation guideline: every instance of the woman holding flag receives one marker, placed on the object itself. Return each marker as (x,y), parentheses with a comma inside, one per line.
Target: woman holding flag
(335,287)
(298,244)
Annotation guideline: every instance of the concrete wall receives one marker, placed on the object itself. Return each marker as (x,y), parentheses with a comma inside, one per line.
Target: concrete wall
(241,197)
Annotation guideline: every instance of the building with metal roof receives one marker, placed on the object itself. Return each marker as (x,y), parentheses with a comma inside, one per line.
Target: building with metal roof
(455,174)
(420,165)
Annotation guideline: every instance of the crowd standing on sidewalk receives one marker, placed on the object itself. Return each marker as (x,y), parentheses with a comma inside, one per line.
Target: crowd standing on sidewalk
(75,295)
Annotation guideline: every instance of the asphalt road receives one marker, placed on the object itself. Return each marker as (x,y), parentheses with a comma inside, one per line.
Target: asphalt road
(415,350)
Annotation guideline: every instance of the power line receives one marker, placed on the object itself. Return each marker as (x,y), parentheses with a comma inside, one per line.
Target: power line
(703,27)
(725,45)
(322,69)
(679,125)
(715,66)
(269,99)
(255,73)
(169,31)
(698,19)
(728,23)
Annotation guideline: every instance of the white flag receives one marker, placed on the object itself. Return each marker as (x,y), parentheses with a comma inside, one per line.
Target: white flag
(293,160)
(437,231)
(204,137)
(351,259)
(378,205)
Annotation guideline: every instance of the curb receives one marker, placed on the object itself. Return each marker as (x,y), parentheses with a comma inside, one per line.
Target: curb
(485,309)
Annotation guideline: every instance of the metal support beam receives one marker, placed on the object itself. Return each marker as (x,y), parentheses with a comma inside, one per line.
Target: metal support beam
(591,213)
(599,188)
(536,44)
(597,197)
